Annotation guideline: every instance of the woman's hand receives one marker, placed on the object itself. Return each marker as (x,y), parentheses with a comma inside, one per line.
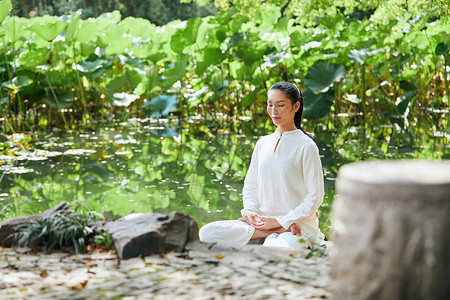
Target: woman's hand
(253,218)
(295,229)
(267,224)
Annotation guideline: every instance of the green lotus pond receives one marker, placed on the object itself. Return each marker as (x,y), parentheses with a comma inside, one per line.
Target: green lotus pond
(143,166)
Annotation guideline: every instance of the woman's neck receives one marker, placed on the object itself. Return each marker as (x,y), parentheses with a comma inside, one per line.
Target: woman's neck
(283,129)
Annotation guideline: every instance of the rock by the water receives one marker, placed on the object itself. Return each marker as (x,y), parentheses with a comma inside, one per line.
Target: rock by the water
(142,234)
(8,227)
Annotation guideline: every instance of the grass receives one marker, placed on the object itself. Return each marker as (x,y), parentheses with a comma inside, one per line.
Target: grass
(59,231)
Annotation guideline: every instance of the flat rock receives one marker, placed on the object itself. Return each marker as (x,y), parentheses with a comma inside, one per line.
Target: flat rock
(142,234)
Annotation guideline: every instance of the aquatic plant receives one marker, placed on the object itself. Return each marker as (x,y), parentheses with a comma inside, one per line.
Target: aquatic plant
(62,71)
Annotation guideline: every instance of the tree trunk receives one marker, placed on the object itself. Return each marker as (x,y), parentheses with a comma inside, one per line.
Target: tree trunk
(392,224)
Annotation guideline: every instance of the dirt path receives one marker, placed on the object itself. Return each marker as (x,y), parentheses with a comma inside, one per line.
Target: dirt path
(203,272)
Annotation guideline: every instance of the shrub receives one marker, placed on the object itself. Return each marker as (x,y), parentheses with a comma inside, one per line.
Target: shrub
(60,231)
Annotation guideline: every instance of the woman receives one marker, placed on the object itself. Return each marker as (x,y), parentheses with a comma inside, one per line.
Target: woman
(283,187)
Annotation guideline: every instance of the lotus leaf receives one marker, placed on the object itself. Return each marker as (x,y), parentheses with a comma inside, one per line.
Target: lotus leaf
(270,15)
(161,105)
(135,76)
(248,99)
(272,60)
(176,72)
(408,85)
(55,78)
(157,57)
(237,70)
(64,98)
(123,99)
(113,17)
(98,169)
(89,66)
(353,98)
(213,56)
(115,83)
(48,31)
(235,23)
(404,100)
(282,24)
(5,9)
(419,39)
(208,35)
(252,51)
(138,27)
(150,82)
(317,106)
(86,50)
(31,59)
(14,29)
(442,49)
(87,32)
(95,74)
(72,28)
(321,76)
(115,40)
(360,55)
(18,82)
(120,45)
(185,37)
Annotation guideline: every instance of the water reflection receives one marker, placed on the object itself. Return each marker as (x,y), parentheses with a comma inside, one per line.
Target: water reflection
(132,167)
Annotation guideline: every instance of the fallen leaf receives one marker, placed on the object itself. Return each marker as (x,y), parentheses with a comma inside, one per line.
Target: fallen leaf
(44,273)
(79,285)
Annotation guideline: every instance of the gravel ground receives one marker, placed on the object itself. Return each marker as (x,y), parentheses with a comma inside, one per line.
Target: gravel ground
(202,272)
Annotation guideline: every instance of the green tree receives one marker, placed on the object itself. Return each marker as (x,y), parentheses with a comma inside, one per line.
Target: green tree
(157,11)
(307,11)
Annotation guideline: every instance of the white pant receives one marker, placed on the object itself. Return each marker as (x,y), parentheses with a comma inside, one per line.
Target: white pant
(237,233)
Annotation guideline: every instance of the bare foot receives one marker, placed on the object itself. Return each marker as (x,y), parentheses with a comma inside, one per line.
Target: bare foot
(245,219)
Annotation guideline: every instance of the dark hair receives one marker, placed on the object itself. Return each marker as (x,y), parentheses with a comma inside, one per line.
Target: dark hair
(295,95)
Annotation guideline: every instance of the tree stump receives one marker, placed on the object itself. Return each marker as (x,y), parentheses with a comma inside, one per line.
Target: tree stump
(392,231)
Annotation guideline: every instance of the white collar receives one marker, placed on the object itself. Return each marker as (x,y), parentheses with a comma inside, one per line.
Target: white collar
(287,133)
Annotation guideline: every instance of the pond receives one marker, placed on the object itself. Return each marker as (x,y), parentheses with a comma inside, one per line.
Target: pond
(143,166)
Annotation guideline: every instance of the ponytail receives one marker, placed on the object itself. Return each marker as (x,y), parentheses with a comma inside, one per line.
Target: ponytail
(299,112)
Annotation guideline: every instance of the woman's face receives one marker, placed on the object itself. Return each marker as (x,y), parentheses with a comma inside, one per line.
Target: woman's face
(280,108)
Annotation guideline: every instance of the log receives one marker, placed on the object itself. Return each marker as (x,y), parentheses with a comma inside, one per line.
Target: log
(392,231)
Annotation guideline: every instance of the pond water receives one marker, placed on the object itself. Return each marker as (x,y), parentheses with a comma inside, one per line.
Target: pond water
(141,166)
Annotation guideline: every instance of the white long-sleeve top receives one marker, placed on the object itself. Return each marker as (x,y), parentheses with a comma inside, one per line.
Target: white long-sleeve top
(285,181)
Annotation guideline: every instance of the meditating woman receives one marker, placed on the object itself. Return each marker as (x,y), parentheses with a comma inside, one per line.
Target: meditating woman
(283,187)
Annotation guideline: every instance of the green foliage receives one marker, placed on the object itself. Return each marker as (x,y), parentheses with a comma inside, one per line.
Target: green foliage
(317,106)
(5,9)
(351,58)
(317,251)
(48,28)
(55,232)
(306,11)
(160,106)
(157,11)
